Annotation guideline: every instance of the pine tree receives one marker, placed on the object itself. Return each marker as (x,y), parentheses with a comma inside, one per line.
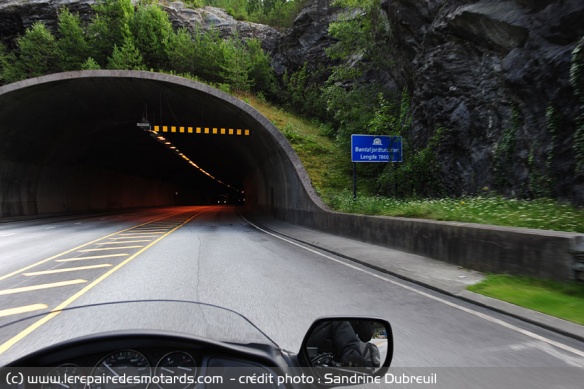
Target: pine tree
(126,57)
(73,48)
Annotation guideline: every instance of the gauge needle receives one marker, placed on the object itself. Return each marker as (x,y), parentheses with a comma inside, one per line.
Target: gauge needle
(61,384)
(168,370)
(110,369)
(185,368)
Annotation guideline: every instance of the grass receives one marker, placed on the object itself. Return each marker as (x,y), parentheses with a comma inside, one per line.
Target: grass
(329,169)
(543,214)
(563,300)
(320,156)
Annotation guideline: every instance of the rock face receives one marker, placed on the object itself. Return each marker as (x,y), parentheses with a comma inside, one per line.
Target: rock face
(207,18)
(17,15)
(307,40)
(493,75)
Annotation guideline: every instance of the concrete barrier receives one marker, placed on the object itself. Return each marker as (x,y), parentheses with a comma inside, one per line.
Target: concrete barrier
(520,251)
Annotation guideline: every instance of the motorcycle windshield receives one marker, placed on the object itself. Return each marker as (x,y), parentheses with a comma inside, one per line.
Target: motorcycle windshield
(25,335)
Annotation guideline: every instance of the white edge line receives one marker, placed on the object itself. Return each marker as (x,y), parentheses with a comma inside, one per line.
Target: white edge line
(464,309)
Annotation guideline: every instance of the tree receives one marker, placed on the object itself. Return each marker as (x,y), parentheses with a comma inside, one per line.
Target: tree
(208,54)
(8,71)
(152,31)
(110,27)
(181,52)
(362,34)
(261,71)
(577,81)
(35,56)
(73,48)
(126,57)
(237,65)
(90,64)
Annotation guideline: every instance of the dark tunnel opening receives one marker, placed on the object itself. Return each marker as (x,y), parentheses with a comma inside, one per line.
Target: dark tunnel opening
(71,142)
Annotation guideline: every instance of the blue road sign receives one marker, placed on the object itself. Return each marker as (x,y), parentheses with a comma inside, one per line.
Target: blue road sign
(376,148)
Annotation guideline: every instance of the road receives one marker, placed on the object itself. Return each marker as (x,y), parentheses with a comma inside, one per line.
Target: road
(213,255)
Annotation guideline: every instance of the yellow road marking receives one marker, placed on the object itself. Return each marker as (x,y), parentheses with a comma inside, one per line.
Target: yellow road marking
(124,242)
(78,247)
(110,248)
(39,273)
(136,237)
(91,257)
(157,231)
(41,286)
(154,228)
(143,233)
(133,237)
(23,309)
(11,342)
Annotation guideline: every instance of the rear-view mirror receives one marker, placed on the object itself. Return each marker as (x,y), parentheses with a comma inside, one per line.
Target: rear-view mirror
(345,346)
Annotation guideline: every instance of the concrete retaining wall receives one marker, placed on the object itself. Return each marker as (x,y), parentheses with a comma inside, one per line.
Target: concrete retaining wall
(519,251)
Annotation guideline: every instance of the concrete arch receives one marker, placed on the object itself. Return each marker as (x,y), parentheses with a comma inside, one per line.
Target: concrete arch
(70,143)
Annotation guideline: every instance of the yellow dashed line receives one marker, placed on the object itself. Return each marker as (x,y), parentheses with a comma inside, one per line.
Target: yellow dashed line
(125,242)
(23,309)
(91,257)
(54,271)
(110,248)
(156,231)
(141,233)
(41,286)
(136,237)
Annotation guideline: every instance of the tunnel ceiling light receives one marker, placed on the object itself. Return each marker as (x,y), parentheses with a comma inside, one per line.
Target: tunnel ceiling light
(173,148)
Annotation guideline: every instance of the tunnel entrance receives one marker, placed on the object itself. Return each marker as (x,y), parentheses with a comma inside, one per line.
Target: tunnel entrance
(71,142)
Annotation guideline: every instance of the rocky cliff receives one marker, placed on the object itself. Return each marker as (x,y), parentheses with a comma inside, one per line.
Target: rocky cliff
(493,75)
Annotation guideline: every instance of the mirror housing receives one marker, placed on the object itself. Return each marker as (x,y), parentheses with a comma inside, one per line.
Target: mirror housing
(347,346)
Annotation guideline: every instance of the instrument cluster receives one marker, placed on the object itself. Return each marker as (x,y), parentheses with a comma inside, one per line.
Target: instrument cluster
(153,368)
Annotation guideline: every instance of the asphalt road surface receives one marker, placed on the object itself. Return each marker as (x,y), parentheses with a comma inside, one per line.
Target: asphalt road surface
(213,255)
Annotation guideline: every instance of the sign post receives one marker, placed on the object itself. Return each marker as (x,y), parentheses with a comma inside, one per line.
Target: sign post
(374,148)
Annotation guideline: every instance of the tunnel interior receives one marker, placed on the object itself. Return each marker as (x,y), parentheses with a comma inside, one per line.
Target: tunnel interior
(71,143)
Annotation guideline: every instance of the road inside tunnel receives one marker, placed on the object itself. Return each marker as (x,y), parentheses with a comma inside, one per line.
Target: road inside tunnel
(71,142)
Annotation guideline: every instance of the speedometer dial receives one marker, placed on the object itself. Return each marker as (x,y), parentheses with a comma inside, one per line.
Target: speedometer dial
(122,369)
(176,370)
(66,376)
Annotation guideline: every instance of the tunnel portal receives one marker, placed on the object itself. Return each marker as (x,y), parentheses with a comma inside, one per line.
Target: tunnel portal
(71,143)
